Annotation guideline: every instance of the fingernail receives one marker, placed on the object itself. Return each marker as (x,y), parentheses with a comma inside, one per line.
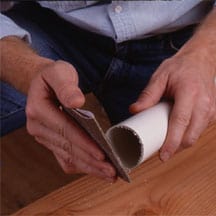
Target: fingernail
(165,156)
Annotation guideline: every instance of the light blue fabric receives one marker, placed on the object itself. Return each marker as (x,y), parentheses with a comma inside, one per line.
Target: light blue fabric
(123,20)
(8,27)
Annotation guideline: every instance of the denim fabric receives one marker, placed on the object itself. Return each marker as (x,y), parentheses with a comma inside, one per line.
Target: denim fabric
(12,105)
(115,73)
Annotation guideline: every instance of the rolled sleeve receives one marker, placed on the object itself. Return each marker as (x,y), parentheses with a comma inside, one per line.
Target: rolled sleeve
(10,28)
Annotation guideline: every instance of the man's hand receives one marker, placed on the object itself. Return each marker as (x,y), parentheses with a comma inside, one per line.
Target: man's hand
(188,78)
(48,83)
(73,148)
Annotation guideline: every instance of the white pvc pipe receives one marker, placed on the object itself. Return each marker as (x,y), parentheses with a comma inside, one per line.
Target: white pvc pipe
(137,138)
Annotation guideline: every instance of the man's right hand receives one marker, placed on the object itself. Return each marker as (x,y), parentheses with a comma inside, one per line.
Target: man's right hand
(72,147)
(47,83)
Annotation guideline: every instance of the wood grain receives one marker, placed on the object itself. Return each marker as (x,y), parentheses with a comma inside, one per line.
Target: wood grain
(185,185)
(28,172)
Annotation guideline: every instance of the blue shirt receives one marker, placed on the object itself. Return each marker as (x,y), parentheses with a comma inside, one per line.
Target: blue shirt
(122,20)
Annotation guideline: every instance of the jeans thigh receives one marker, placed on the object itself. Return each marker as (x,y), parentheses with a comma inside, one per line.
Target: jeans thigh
(132,68)
(12,104)
(122,87)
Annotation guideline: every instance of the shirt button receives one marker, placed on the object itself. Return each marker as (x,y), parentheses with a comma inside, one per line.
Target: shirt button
(118,9)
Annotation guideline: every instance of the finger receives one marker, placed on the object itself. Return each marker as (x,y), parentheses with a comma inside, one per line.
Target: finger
(197,126)
(56,120)
(71,169)
(63,79)
(78,160)
(200,118)
(54,141)
(67,169)
(179,120)
(151,95)
(61,152)
(57,140)
(48,137)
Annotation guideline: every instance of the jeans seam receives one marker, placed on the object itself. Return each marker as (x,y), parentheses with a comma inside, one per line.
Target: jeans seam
(12,113)
(107,76)
(109,70)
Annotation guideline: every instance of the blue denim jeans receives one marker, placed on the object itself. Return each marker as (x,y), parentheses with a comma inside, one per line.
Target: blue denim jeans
(115,73)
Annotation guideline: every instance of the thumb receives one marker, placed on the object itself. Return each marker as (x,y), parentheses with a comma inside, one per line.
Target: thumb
(63,79)
(151,95)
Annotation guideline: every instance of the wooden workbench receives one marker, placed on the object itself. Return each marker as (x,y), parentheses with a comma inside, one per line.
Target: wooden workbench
(185,185)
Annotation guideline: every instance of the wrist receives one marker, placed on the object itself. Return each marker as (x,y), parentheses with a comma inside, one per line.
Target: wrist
(202,45)
(19,63)
(197,53)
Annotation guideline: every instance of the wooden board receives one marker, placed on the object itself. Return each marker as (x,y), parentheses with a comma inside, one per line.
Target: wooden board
(28,172)
(185,185)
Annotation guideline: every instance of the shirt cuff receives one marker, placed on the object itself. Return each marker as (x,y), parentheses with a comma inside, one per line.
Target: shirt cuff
(10,28)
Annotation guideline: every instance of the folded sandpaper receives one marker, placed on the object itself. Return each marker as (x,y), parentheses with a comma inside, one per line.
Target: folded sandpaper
(88,122)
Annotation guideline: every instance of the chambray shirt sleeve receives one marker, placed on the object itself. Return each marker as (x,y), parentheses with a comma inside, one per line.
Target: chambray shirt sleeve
(10,28)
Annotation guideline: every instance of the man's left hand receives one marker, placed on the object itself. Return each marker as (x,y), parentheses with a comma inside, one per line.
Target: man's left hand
(188,79)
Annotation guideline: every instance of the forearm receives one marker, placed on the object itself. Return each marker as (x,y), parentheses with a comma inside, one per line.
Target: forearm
(19,63)
(204,40)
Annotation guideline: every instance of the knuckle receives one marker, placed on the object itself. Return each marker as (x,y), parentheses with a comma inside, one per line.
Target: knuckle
(154,77)
(205,110)
(30,112)
(64,92)
(172,145)
(30,128)
(158,77)
(182,119)
(167,65)
(62,131)
(166,62)
(207,100)
(86,168)
(190,141)
(193,91)
(65,145)
(147,93)
(70,160)
(59,64)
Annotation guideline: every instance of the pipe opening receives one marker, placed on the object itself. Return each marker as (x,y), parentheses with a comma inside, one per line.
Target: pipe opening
(126,144)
